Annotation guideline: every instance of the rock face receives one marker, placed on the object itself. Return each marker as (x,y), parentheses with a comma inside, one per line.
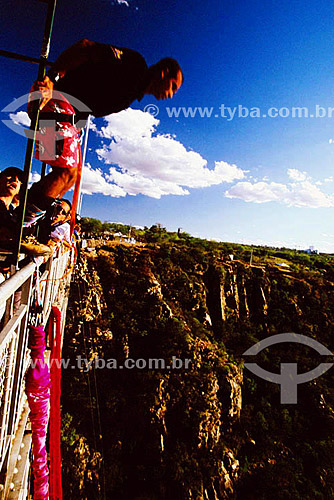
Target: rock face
(188,422)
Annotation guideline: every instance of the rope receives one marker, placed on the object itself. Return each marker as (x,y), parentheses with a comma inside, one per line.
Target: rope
(34,122)
(88,379)
(68,272)
(99,419)
(93,339)
(38,393)
(56,492)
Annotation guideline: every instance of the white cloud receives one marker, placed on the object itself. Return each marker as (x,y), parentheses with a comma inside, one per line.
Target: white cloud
(139,184)
(155,165)
(34,177)
(20,118)
(94,181)
(297,175)
(260,192)
(145,162)
(326,235)
(130,124)
(92,124)
(229,173)
(296,194)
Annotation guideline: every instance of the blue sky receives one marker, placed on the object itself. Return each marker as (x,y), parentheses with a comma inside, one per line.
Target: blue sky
(248,179)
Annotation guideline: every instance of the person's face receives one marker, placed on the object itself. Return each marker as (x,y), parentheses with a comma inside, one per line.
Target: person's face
(10,185)
(63,213)
(165,87)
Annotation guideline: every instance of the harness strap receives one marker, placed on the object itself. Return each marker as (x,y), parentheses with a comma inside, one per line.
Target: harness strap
(76,194)
(58,117)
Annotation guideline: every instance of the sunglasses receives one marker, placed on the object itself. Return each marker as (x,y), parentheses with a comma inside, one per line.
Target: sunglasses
(63,212)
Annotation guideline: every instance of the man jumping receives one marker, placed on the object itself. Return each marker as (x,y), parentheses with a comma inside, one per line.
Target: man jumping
(105,78)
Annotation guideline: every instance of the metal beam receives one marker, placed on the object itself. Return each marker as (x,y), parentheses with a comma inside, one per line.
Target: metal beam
(9,287)
(21,57)
(83,161)
(34,124)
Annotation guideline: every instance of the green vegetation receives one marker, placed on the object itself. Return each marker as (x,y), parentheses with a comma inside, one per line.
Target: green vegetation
(258,255)
(213,431)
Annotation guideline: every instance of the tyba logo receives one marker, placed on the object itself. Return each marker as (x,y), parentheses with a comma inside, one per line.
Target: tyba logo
(50,124)
(288,379)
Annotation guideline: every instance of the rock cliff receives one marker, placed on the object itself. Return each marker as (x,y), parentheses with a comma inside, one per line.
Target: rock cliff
(190,422)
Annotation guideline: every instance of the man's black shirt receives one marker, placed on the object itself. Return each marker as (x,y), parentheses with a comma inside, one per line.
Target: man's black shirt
(110,83)
(7,218)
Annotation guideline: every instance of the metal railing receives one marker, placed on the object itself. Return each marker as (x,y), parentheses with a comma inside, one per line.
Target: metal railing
(18,292)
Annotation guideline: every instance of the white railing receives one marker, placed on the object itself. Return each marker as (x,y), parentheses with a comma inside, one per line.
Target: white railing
(17,294)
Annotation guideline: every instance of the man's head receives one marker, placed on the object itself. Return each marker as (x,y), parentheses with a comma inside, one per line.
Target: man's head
(63,211)
(165,78)
(10,182)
